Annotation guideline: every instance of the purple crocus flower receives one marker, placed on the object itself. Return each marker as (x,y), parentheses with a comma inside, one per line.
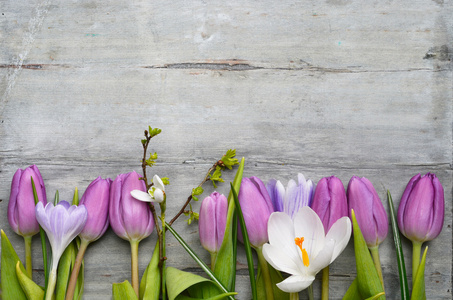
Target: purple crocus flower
(21,205)
(329,201)
(369,211)
(212,221)
(130,218)
(421,210)
(291,200)
(256,207)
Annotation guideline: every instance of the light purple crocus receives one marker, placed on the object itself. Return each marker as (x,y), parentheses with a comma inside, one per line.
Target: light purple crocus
(291,200)
(369,211)
(256,207)
(62,223)
(130,218)
(21,205)
(421,210)
(329,201)
(96,201)
(212,221)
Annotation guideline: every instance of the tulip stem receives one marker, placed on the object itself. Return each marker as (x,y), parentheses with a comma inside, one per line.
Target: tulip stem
(52,282)
(325,284)
(134,266)
(76,269)
(163,257)
(213,258)
(310,292)
(28,265)
(377,263)
(294,296)
(266,275)
(416,251)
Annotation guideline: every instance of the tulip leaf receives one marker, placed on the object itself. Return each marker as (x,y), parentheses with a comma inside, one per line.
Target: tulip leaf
(31,289)
(376,296)
(276,277)
(124,290)
(75,198)
(42,235)
(418,289)
(185,285)
(248,249)
(150,284)
(10,285)
(353,291)
(197,259)
(369,283)
(225,267)
(399,250)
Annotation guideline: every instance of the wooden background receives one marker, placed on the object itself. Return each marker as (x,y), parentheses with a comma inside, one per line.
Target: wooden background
(336,87)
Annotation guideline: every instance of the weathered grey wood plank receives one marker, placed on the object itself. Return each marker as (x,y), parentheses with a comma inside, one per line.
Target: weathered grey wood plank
(337,87)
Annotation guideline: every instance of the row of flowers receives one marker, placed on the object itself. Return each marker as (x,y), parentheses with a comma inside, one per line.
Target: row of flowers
(299,230)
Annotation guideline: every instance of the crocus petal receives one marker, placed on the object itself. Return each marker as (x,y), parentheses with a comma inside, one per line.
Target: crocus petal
(308,225)
(276,191)
(296,283)
(284,261)
(323,259)
(340,232)
(142,196)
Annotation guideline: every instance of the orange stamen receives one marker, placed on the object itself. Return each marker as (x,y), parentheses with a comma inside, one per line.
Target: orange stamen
(305,259)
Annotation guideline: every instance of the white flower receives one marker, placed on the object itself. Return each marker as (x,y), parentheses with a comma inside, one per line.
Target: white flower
(301,248)
(155,194)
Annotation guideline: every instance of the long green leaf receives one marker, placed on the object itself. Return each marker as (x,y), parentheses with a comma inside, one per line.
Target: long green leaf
(123,290)
(64,271)
(150,284)
(11,288)
(367,276)
(42,235)
(197,259)
(399,250)
(225,265)
(418,289)
(248,249)
(353,291)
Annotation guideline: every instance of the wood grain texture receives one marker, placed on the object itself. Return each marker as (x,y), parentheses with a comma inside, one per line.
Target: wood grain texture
(335,87)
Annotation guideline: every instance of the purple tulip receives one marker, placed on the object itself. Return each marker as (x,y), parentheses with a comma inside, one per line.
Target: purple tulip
(421,210)
(256,207)
(212,221)
(291,200)
(21,206)
(130,218)
(96,201)
(329,201)
(369,211)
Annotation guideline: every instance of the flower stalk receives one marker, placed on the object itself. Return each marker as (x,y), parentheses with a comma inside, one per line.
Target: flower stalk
(28,263)
(76,268)
(416,252)
(377,263)
(325,284)
(266,274)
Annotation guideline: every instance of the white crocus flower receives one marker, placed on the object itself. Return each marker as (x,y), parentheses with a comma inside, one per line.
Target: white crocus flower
(301,248)
(155,194)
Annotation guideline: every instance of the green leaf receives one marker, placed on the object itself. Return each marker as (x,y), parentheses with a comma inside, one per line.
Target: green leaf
(122,291)
(276,277)
(228,159)
(376,296)
(56,198)
(418,289)
(64,270)
(196,192)
(225,266)
(75,198)
(197,259)
(192,285)
(31,289)
(165,180)
(150,284)
(367,276)
(353,291)
(399,250)
(11,288)
(153,132)
(248,248)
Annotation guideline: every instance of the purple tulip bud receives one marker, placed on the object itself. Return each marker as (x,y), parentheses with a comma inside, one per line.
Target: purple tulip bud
(130,218)
(256,207)
(329,201)
(421,210)
(96,201)
(212,221)
(21,206)
(369,211)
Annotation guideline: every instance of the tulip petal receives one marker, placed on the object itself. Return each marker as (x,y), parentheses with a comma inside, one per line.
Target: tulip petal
(296,283)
